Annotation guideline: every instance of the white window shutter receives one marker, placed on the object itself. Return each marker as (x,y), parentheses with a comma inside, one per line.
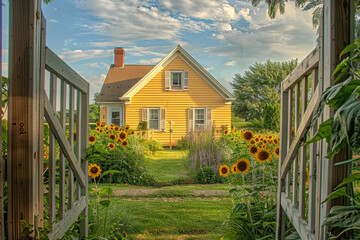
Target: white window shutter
(167,80)
(145,115)
(191,119)
(208,119)
(162,119)
(186,80)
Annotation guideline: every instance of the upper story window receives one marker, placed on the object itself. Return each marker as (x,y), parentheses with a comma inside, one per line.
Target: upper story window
(176,80)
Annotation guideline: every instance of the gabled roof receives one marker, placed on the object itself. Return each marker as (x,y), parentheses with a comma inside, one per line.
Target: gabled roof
(119,80)
(124,83)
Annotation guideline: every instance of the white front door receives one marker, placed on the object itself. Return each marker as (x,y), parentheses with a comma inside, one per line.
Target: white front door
(116,115)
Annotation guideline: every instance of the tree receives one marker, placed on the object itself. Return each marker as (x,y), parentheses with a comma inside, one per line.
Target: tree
(272,117)
(94,110)
(258,86)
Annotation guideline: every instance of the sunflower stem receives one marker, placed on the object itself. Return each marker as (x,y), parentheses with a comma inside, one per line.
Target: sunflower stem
(247,205)
(97,209)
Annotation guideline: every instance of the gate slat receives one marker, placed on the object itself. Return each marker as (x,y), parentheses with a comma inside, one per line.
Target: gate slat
(299,136)
(296,159)
(62,185)
(71,141)
(78,139)
(61,137)
(289,138)
(52,154)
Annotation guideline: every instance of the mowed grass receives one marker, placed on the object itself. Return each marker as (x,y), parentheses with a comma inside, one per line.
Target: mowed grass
(168,165)
(167,218)
(173,212)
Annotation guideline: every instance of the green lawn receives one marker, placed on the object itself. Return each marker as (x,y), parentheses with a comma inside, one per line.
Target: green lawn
(171,212)
(167,165)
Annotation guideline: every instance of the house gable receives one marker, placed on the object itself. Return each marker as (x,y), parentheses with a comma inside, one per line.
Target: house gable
(191,62)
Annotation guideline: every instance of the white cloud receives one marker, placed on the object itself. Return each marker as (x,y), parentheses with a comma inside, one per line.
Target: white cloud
(230,63)
(70,41)
(52,20)
(150,61)
(209,68)
(78,54)
(96,65)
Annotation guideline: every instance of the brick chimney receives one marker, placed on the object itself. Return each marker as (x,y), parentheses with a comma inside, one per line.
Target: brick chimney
(119,57)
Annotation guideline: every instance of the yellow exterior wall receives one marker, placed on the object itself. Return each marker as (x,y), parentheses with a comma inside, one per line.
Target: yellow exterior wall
(177,103)
(103,115)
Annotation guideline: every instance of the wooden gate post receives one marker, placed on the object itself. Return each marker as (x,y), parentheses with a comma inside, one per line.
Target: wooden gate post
(338,17)
(24,143)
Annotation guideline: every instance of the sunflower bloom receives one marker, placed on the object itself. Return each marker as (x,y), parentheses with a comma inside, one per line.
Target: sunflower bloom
(276,141)
(263,155)
(276,152)
(122,135)
(247,135)
(226,132)
(234,169)
(224,170)
(253,150)
(98,124)
(243,165)
(112,137)
(124,143)
(111,146)
(132,132)
(98,129)
(117,128)
(94,170)
(92,139)
(124,234)
(102,124)
(118,140)
(127,127)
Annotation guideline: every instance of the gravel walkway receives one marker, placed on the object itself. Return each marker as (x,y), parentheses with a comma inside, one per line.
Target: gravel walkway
(144,192)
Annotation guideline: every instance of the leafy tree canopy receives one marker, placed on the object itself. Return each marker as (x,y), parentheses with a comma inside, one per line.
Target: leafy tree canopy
(258,86)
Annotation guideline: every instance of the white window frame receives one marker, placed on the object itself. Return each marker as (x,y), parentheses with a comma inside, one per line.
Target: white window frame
(159,117)
(181,80)
(204,124)
(115,108)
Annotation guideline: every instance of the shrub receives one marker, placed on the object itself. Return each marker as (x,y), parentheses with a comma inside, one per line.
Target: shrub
(152,145)
(116,148)
(272,117)
(206,175)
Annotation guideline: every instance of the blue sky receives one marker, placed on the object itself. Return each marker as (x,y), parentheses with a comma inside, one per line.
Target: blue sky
(224,36)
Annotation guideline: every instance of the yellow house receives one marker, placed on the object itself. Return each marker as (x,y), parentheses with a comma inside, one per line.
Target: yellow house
(178,90)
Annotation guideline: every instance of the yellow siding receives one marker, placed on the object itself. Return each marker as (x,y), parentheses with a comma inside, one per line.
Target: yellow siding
(103,115)
(177,103)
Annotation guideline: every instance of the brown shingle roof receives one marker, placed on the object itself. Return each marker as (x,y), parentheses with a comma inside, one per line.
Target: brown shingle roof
(119,80)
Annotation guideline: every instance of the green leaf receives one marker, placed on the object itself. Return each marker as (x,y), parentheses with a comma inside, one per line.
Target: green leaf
(100,149)
(349,48)
(347,161)
(110,172)
(335,194)
(349,179)
(106,191)
(343,217)
(323,132)
(95,158)
(105,203)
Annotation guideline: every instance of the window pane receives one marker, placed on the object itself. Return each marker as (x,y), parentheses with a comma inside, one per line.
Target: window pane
(176,79)
(154,119)
(199,119)
(115,117)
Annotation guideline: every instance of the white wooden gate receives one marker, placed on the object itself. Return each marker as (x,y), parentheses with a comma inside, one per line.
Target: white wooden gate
(299,201)
(32,67)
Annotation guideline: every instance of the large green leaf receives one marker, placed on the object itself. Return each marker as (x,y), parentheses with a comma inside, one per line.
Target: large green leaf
(343,217)
(341,92)
(105,203)
(349,179)
(323,132)
(335,194)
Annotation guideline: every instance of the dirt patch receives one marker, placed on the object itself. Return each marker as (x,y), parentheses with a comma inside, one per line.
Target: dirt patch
(145,192)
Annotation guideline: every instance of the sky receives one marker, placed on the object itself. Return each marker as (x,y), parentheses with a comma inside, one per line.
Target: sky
(224,36)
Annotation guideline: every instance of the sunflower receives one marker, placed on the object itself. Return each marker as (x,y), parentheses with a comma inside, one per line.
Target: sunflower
(263,155)
(270,137)
(124,234)
(92,139)
(117,128)
(122,135)
(112,137)
(127,127)
(243,165)
(224,170)
(102,124)
(234,130)
(226,132)
(252,141)
(232,139)
(234,169)
(276,141)
(98,129)
(94,170)
(253,150)
(269,141)
(101,130)
(111,146)
(106,128)
(247,135)
(98,124)
(118,140)
(276,152)
(132,132)
(124,143)
(112,125)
